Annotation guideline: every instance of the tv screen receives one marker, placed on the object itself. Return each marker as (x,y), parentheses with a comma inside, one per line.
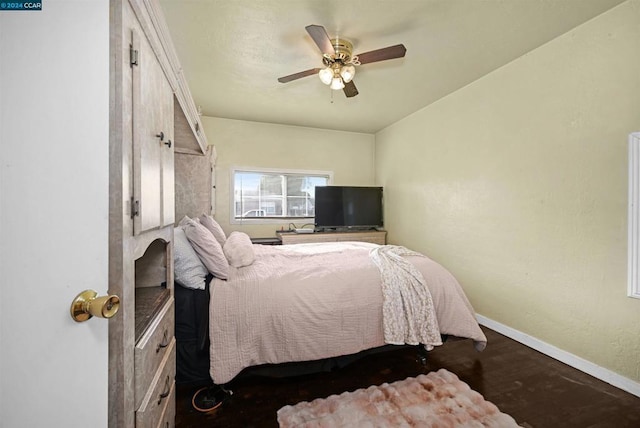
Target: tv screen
(348,207)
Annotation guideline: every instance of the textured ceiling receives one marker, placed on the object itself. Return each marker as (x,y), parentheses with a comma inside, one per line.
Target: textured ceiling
(233,51)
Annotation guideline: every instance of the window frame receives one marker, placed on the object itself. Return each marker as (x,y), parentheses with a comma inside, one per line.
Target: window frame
(283,171)
(633,226)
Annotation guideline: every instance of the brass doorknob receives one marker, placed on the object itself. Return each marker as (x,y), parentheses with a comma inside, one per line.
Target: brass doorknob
(87,304)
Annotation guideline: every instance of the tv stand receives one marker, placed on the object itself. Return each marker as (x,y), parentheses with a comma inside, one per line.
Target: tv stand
(374,236)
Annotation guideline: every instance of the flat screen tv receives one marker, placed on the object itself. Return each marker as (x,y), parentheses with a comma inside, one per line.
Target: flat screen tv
(348,207)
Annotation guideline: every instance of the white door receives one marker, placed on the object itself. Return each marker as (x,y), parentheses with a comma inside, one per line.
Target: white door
(54,199)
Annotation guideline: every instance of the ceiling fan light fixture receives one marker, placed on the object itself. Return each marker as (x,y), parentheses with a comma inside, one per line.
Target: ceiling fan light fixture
(337,83)
(339,64)
(326,75)
(347,72)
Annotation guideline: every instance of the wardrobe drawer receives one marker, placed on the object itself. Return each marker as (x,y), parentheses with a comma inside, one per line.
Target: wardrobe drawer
(168,419)
(156,400)
(151,349)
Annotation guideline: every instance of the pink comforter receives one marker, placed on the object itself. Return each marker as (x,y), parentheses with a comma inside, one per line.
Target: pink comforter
(312,301)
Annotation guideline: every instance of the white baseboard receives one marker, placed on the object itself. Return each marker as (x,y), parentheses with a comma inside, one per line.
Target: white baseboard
(574,361)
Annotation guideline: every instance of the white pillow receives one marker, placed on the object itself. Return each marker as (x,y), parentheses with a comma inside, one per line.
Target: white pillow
(239,250)
(207,248)
(213,226)
(187,268)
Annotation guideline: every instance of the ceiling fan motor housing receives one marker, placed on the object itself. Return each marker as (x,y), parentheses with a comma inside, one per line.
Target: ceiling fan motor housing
(343,49)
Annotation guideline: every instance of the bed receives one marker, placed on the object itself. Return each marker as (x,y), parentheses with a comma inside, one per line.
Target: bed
(307,302)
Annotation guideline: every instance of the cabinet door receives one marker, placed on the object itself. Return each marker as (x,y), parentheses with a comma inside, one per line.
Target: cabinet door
(153,188)
(167,165)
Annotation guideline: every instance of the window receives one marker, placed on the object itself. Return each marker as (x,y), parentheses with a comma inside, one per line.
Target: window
(269,196)
(634,216)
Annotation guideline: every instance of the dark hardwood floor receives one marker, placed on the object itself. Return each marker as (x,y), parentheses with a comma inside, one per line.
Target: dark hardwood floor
(536,390)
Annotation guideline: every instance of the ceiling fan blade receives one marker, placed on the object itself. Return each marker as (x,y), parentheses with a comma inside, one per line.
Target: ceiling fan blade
(383,54)
(320,36)
(350,89)
(299,75)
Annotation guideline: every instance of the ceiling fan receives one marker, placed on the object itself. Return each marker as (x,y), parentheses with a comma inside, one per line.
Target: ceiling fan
(339,64)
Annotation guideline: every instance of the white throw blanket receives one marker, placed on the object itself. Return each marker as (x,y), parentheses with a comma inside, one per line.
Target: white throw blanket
(408,313)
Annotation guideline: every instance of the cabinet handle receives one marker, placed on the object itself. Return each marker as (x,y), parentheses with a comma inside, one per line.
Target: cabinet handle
(165,394)
(168,143)
(164,343)
(160,135)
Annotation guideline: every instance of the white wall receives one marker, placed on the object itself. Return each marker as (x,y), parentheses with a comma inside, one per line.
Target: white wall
(54,158)
(518,184)
(240,143)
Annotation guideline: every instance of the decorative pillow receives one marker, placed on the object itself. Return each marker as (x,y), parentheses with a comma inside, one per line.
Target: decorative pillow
(184,221)
(239,250)
(213,226)
(207,248)
(187,268)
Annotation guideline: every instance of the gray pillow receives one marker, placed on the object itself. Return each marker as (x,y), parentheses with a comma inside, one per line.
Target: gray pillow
(188,270)
(207,248)
(213,227)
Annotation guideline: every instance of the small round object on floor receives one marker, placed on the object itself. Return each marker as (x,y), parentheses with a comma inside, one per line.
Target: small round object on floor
(209,398)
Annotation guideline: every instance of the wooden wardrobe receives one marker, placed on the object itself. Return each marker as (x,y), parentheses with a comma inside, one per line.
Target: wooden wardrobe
(153,120)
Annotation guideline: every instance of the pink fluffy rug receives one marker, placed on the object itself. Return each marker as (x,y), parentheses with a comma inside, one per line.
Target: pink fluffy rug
(437,399)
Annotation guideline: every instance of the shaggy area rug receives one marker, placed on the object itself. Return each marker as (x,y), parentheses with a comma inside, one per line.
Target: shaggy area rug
(437,399)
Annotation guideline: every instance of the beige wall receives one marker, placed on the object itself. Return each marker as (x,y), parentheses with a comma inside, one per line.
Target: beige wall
(262,145)
(518,184)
